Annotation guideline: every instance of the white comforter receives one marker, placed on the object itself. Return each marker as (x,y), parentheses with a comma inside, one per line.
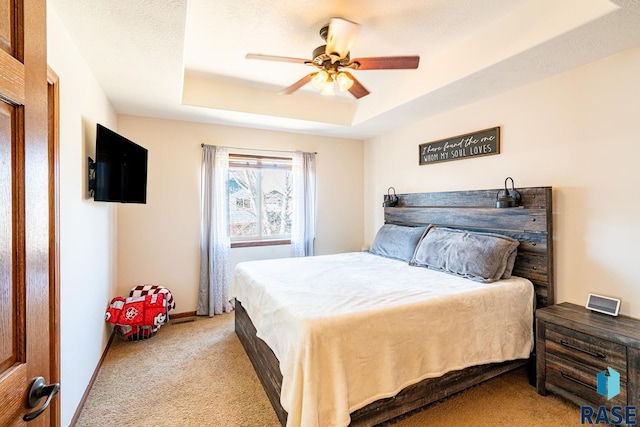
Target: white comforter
(352,328)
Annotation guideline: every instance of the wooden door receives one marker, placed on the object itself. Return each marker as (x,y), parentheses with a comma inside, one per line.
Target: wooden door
(24,209)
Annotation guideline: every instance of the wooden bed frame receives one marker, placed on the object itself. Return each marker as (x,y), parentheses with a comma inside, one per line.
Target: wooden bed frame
(531,224)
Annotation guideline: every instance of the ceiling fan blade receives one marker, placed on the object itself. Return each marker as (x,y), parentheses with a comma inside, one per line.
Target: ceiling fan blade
(340,38)
(356,89)
(297,85)
(385,63)
(277,58)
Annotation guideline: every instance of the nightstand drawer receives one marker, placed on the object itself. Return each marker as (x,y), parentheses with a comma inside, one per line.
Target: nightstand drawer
(585,349)
(581,381)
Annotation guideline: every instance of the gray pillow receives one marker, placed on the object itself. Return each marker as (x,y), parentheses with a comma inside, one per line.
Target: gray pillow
(483,257)
(397,241)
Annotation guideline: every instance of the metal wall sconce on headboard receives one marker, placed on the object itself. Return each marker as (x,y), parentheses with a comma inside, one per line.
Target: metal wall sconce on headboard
(390,200)
(509,198)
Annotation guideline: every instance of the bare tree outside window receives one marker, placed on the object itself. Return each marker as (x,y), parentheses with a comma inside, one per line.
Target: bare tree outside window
(276,202)
(260,201)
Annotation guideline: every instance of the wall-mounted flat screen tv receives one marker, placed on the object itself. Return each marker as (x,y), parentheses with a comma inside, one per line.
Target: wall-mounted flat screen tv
(120,169)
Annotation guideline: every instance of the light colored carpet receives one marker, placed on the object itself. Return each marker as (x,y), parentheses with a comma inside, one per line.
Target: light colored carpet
(197,374)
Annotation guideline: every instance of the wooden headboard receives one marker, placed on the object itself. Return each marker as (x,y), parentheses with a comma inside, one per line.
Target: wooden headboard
(530,223)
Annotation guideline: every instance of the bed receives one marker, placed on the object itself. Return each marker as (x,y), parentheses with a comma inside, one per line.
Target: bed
(359,314)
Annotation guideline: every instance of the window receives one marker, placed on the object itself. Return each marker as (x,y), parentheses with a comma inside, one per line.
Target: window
(260,207)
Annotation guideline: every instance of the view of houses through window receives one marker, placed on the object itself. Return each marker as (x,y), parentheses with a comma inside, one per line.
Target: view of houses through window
(260,191)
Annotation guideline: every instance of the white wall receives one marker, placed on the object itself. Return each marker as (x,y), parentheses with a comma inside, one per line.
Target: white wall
(87,229)
(575,132)
(158,242)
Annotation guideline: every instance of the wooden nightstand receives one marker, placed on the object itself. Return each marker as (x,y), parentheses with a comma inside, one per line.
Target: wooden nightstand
(574,344)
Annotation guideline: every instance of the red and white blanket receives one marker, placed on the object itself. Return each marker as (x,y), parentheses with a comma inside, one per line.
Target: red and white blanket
(141,290)
(147,310)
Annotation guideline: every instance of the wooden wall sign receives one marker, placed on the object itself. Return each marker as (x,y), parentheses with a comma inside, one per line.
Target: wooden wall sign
(481,143)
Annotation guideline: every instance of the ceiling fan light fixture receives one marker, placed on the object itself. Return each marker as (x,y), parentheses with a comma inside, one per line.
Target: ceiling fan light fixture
(328,88)
(344,81)
(319,81)
(332,59)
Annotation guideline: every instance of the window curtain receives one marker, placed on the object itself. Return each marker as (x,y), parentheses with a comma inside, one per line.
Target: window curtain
(303,226)
(215,243)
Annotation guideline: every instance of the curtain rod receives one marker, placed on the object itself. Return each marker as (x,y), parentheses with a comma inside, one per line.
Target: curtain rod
(261,149)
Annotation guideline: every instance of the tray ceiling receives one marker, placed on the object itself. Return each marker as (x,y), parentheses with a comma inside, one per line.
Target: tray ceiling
(186,60)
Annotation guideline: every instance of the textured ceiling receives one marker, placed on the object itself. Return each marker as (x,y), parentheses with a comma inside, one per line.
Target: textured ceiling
(186,59)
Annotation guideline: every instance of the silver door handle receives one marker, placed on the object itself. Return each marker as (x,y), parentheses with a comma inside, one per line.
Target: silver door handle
(39,390)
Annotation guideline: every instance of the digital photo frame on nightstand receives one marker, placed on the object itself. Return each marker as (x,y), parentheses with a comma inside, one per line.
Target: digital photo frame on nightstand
(605,305)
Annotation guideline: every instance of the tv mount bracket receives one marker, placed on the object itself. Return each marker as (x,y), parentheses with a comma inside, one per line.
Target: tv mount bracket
(92,177)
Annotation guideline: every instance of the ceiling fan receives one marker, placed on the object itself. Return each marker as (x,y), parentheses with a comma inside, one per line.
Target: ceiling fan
(333,59)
